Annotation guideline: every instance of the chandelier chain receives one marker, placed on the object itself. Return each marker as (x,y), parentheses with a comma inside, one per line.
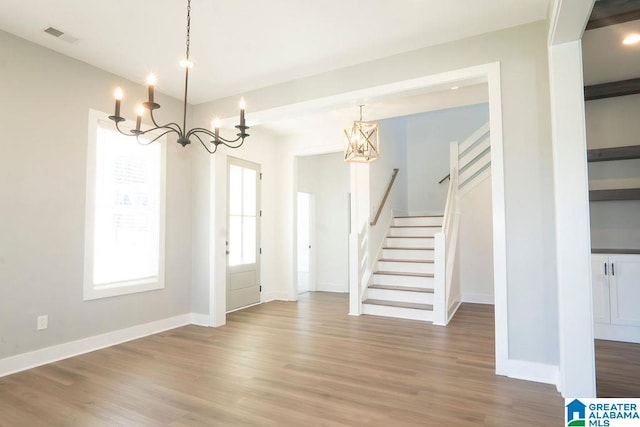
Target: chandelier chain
(188,27)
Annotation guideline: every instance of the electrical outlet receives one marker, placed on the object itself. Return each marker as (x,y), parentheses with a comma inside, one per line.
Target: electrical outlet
(43,322)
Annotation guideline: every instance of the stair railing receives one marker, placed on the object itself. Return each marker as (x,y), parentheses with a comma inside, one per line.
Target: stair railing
(385,197)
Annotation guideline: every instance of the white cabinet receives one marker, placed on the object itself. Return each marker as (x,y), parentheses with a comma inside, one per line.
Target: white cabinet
(616,289)
(600,283)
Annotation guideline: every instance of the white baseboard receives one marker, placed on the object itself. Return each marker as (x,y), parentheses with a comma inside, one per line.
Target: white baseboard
(533,371)
(604,331)
(332,287)
(43,356)
(453,309)
(478,298)
(276,296)
(199,319)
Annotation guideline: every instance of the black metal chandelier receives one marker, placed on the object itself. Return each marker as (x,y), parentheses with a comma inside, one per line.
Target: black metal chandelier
(184,135)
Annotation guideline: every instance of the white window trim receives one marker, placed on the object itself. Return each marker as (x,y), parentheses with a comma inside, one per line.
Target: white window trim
(91,292)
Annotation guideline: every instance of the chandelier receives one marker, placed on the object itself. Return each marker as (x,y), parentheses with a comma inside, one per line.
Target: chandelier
(184,135)
(362,143)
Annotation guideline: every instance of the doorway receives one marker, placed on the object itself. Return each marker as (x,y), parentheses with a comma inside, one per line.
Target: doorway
(322,226)
(305,226)
(243,231)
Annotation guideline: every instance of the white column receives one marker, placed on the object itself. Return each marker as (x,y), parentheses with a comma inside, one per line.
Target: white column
(573,242)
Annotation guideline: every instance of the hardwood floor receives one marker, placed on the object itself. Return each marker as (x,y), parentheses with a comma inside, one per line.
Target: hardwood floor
(288,364)
(617,369)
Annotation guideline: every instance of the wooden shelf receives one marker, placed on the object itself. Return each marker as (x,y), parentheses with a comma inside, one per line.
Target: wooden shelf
(618,194)
(614,153)
(612,89)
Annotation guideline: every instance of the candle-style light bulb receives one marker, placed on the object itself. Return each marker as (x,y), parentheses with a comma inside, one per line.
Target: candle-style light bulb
(216,129)
(139,112)
(118,95)
(243,106)
(151,82)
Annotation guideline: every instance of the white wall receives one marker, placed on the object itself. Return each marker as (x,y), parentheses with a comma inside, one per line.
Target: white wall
(428,138)
(528,166)
(475,245)
(393,148)
(46,99)
(613,122)
(327,177)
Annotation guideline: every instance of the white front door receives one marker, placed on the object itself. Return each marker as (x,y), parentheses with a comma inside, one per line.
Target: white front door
(304,242)
(243,231)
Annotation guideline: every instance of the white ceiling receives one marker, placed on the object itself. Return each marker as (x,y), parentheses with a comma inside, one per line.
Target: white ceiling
(604,56)
(239,46)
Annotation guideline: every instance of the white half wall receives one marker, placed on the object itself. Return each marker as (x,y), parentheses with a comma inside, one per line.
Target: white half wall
(475,244)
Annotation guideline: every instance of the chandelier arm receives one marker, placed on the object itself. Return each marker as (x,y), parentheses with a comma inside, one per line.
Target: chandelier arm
(121,131)
(155,138)
(222,140)
(229,144)
(205,145)
(176,129)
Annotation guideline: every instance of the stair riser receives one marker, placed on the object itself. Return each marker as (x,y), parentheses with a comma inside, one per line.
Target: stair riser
(417,282)
(406,267)
(436,220)
(414,231)
(404,242)
(418,255)
(400,296)
(398,312)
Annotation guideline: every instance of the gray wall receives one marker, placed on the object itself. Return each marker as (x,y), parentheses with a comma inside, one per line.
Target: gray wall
(327,176)
(528,167)
(46,99)
(428,138)
(613,122)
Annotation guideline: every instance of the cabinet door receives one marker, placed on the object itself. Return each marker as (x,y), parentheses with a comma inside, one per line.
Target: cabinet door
(600,285)
(625,289)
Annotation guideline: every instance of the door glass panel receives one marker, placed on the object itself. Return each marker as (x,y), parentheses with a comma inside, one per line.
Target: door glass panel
(235,190)
(243,215)
(249,192)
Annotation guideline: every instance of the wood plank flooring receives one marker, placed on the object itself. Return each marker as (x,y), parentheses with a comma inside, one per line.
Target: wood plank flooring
(288,364)
(617,369)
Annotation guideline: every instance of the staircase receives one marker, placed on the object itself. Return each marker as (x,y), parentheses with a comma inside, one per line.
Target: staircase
(402,284)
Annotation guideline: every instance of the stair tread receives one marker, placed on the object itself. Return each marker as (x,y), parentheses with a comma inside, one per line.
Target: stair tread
(425,261)
(410,237)
(398,248)
(402,288)
(397,273)
(399,304)
(421,216)
(416,226)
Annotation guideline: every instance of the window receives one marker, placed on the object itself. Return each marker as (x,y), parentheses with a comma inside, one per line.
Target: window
(124,229)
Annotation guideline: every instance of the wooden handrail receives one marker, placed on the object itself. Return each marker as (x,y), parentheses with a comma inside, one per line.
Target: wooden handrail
(384,199)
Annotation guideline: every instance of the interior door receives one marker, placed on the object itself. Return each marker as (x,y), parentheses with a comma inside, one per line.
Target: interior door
(304,242)
(243,231)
